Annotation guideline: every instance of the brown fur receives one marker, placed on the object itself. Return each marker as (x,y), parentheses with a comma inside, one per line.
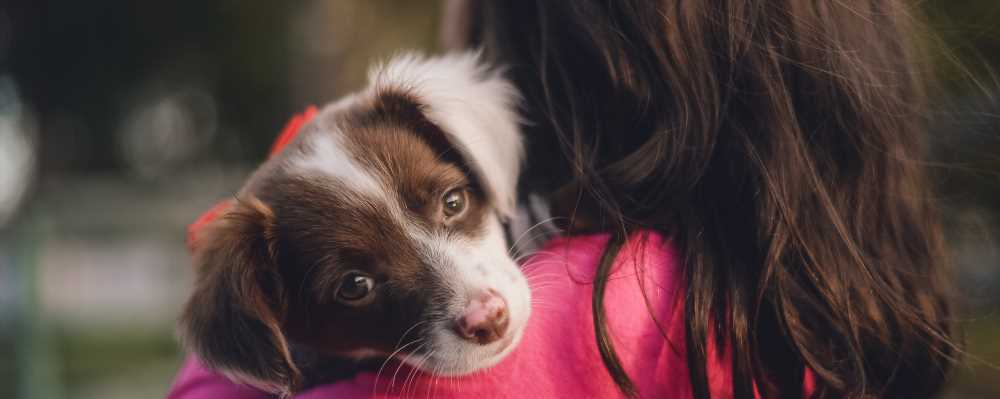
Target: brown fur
(271,266)
(239,291)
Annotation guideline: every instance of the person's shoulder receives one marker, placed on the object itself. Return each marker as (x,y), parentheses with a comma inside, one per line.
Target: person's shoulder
(645,268)
(641,305)
(583,253)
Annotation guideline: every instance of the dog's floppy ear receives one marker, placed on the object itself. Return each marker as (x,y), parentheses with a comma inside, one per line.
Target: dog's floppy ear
(232,320)
(474,106)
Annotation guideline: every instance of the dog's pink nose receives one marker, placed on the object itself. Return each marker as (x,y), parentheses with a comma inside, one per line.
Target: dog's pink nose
(484,319)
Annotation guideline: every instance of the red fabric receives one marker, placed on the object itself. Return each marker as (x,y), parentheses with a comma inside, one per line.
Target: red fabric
(288,133)
(292,129)
(208,216)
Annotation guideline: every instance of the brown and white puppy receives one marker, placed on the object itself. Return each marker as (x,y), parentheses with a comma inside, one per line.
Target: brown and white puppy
(377,229)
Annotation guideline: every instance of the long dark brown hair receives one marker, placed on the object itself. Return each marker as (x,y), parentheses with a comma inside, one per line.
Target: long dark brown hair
(778,144)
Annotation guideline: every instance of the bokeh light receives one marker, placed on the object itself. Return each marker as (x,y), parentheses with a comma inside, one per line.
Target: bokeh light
(17,149)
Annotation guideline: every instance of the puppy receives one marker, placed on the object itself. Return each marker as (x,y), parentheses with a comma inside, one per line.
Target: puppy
(377,229)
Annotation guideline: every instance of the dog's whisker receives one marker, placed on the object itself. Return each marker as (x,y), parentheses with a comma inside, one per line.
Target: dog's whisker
(548,304)
(399,348)
(537,278)
(402,337)
(541,281)
(415,370)
(535,267)
(434,377)
(528,230)
(437,378)
(386,361)
(533,276)
(522,256)
(531,264)
(548,262)
(544,280)
(540,278)
(392,382)
(541,302)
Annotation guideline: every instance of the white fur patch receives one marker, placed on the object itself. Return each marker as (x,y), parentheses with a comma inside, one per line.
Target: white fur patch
(473,105)
(328,156)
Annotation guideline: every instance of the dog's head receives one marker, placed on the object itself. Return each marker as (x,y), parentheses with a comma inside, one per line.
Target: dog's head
(377,229)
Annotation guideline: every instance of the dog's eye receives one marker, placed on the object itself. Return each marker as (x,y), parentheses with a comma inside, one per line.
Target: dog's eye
(454,202)
(355,287)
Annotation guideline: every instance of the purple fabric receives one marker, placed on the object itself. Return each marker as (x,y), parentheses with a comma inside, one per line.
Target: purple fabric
(196,382)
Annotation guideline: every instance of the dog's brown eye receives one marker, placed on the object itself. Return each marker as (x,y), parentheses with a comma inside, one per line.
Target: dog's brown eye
(454,202)
(354,287)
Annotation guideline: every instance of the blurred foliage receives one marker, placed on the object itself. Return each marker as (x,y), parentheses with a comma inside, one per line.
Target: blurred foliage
(7,368)
(82,60)
(979,375)
(81,64)
(87,357)
(963,41)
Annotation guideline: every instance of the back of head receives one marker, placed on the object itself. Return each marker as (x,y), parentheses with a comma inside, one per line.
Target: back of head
(778,143)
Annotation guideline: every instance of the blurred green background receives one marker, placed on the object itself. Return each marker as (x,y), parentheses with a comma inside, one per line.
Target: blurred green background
(120,121)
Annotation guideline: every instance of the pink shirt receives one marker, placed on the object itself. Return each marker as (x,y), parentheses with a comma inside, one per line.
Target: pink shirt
(558,356)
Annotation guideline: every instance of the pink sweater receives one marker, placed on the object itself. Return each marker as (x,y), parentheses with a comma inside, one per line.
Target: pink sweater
(558,357)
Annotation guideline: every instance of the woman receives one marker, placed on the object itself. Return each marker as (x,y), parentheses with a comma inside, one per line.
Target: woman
(755,163)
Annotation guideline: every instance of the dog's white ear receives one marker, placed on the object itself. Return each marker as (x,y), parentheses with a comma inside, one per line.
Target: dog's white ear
(475,107)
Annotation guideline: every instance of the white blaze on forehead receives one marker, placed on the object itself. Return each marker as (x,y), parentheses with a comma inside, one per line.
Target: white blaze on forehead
(326,154)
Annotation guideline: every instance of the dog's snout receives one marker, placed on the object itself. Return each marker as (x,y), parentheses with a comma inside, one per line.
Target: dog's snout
(485,318)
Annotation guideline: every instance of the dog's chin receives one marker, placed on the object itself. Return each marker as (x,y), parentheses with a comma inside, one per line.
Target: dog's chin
(447,354)
(443,351)
(450,356)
